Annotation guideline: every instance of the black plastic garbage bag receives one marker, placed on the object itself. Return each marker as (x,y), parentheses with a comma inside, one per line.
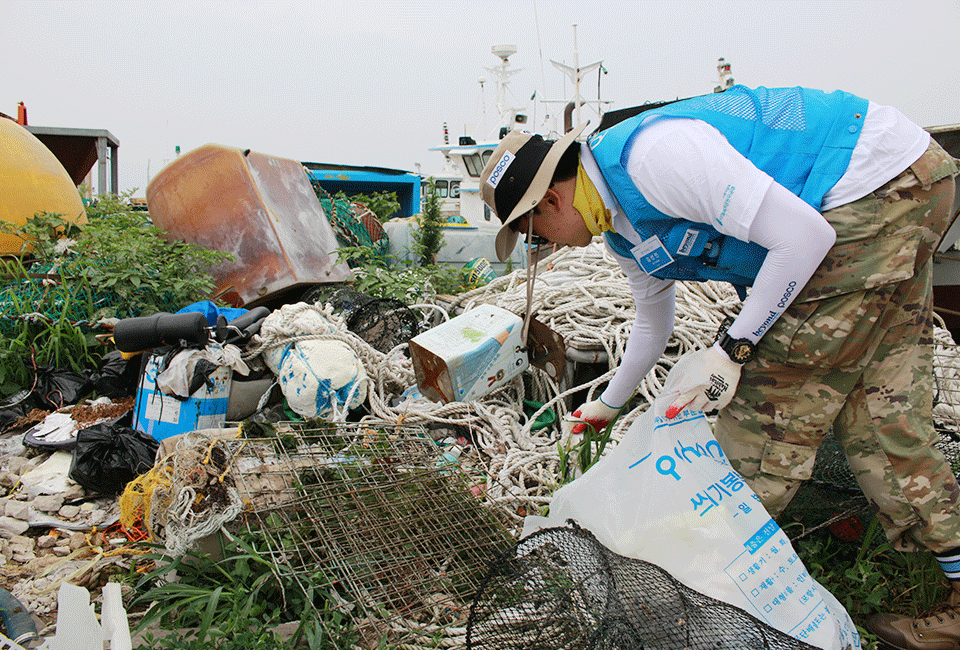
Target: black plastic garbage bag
(117,377)
(56,387)
(16,407)
(107,457)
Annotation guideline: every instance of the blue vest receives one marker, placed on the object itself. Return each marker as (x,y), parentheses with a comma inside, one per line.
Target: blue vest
(802,138)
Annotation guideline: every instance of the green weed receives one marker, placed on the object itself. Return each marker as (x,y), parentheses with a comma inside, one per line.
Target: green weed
(404,280)
(428,238)
(235,603)
(68,277)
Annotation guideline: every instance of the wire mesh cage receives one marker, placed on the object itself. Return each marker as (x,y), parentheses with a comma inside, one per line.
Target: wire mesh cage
(560,589)
(376,517)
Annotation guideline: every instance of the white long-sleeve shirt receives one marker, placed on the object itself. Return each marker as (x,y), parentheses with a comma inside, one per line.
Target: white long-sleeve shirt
(686,169)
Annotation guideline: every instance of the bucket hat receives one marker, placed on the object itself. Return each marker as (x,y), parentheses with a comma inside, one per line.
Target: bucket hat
(517,177)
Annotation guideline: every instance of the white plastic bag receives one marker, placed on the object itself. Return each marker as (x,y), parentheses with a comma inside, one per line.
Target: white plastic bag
(668,495)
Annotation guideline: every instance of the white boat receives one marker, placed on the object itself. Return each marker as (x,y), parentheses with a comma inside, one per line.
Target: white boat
(464,160)
(458,182)
(473,228)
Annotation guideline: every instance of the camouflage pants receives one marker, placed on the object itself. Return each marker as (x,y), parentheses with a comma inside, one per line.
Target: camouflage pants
(854,352)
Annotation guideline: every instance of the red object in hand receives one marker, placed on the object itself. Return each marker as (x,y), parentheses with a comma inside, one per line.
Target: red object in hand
(672,411)
(596,423)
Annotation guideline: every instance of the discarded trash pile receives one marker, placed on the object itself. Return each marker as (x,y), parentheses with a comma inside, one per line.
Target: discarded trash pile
(400,501)
(188,494)
(560,589)
(582,295)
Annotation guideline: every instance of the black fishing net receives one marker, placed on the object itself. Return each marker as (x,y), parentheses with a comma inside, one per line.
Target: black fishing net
(342,297)
(561,589)
(384,323)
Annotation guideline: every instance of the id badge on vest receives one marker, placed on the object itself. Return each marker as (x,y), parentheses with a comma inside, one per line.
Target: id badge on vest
(651,255)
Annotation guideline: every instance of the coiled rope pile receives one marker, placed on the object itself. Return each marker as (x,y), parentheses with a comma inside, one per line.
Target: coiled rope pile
(581,294)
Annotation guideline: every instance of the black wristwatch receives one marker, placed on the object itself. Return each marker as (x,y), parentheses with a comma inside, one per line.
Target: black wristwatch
(739,350)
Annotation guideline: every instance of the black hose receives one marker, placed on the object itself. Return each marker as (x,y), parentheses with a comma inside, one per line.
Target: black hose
(145,332)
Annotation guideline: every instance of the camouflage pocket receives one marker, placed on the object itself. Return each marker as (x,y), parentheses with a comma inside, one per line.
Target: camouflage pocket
(788,460)
(865,264)
(817,333)
(934,165)
(837,332)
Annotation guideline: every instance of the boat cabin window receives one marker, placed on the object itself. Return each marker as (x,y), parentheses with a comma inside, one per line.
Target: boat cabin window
(443,189)
(454,189)
(475,162)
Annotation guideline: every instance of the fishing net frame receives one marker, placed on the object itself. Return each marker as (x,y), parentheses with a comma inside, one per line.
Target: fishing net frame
(374,516)
(349,223)
(560,589)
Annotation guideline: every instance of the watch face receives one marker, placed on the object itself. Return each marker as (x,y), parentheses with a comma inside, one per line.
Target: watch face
(741,352)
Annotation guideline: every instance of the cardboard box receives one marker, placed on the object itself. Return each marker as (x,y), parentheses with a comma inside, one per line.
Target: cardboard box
(470,355)
(162,416)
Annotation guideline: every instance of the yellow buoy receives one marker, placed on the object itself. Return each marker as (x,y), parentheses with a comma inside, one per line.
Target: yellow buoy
(32,180)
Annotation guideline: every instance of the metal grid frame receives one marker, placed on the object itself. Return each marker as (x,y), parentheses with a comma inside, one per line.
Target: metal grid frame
(377,517)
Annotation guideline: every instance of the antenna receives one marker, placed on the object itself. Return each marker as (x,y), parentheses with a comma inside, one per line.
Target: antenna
(576,75)
(504,51)
(501,78)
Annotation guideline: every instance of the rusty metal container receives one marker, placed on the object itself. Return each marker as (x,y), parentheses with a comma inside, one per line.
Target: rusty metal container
(257,207)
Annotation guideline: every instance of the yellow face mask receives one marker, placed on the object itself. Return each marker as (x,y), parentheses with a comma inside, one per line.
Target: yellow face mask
(587,201)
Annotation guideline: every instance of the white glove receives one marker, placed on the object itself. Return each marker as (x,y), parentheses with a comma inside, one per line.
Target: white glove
(595,414)
(703,380)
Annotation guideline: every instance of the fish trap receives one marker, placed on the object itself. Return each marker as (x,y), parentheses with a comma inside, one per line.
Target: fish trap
(376,518)
(560,589)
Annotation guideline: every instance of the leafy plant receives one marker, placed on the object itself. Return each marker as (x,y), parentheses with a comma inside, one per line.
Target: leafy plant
(583,455)
(233,603)
(36,329)
(70,276)
(870,576)
(388,277)
(107,204)
(45,236)
(127,256)
(382,204)
(428,238)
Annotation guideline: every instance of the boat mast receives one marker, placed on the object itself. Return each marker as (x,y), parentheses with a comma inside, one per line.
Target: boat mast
(501,78)
(576,75)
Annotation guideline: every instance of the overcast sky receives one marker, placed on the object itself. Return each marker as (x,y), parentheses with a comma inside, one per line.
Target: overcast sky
(371,82)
